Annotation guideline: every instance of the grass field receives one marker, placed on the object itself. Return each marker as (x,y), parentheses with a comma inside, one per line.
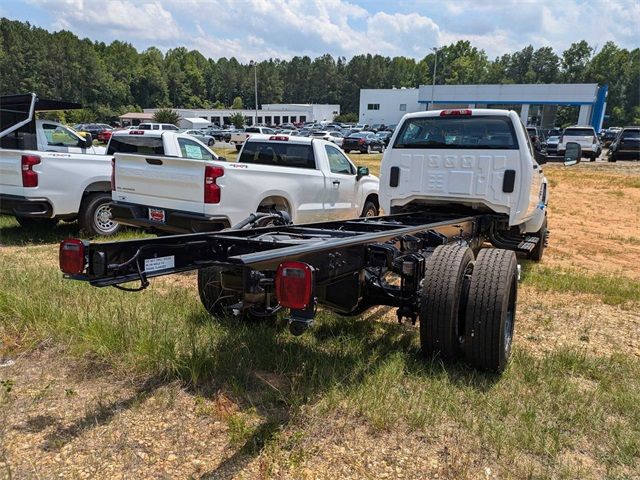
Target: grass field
(109,384)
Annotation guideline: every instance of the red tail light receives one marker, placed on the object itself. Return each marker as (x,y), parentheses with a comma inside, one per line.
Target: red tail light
(113,174)
(279,138)
(361,141)
(446,113)
(211,190)
(294,285)
(72,256)
(29,177)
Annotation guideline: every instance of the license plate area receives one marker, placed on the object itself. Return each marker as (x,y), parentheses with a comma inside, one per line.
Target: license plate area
(157,215)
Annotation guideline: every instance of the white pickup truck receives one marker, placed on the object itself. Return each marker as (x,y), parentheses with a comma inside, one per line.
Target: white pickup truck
(47,171)
(309,179)
(239,138)
(470,161)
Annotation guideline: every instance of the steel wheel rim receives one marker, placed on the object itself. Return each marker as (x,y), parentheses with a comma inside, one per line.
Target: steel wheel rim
(102,219)
(370,213)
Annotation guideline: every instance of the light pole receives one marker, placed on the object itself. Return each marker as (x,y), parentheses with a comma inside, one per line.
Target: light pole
(255,87)
(433,84)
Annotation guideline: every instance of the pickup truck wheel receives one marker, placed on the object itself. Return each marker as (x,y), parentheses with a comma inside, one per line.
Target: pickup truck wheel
(543,236)
(27,222)
(95,215)
(369,210)
(442,304)
(491,310)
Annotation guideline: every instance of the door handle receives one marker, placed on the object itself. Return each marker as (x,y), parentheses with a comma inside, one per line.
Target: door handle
(336,183)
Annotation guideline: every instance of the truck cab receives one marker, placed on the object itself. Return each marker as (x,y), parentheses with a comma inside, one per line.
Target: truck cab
(474,160)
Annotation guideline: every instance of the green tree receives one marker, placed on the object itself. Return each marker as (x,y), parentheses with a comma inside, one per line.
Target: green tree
(237,120)
(574,62)
(237,104)
(166,115)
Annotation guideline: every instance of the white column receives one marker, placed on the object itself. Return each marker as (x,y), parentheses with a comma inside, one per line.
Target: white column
(524,113)
(585,115)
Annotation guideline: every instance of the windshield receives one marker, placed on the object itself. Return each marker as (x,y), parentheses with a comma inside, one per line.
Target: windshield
(278,154)
(466,132)
(358,135)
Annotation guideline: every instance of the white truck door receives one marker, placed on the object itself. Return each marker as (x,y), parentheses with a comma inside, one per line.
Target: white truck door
(341,188)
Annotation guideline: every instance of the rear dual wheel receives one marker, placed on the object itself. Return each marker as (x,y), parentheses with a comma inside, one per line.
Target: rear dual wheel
(468,308)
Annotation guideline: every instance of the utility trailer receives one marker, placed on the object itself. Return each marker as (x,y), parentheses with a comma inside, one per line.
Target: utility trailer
(422,263)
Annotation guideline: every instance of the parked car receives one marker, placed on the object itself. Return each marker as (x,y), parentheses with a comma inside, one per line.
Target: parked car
(363,142)
(551,145)
(105,135)
(203,137)
(585,135)
(384,136)
(609,135)
(626,145)
(230,131)
(157,126)
(93,128)
(238,138)
(377,127)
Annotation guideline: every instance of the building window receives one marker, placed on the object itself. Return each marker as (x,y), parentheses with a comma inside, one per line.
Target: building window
(373,106)
(403,107)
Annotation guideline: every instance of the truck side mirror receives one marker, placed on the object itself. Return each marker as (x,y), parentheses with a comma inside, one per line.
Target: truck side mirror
(540,157)
(362,172)
(86,142)
(572,154)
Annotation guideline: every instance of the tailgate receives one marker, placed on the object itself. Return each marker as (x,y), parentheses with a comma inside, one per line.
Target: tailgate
(11,167)
(160,181)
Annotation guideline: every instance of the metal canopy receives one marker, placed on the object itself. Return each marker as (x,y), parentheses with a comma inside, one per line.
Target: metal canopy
(22,103)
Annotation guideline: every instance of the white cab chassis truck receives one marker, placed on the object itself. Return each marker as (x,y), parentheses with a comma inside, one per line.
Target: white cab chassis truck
(452,181)
(48,172)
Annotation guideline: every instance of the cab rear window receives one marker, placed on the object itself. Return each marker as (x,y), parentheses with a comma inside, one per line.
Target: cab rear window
(278,154)
(459,132)
(578,132)
(136,144)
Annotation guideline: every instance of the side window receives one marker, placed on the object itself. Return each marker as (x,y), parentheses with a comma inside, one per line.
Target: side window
(58,136)
(193,150)
(338,163)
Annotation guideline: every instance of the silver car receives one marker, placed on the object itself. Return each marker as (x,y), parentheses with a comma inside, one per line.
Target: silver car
(200,135)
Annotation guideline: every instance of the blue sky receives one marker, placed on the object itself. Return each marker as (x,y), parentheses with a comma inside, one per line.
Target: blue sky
(259,29)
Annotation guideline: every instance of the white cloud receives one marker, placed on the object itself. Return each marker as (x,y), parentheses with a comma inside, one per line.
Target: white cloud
(260,29)
(123,19)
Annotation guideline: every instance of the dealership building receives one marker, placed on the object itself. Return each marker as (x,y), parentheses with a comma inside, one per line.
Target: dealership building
(536,103)
(269,114)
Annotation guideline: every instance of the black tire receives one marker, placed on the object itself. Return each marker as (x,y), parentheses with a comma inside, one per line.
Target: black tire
(211,142)
(238,148)
(491,310)
(95,215)
(212,295)
(592,157)
(369,209)
(612,157)
(215,299)
(441,307)
(543,235)
(31,223)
